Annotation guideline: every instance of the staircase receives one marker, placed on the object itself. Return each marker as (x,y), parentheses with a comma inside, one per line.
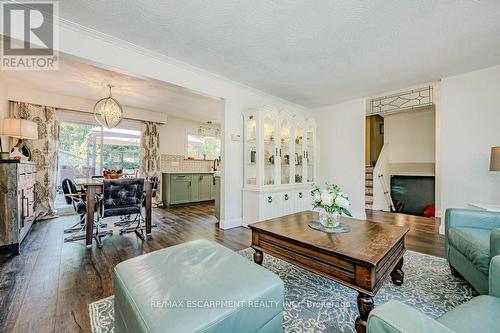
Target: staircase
(368,187)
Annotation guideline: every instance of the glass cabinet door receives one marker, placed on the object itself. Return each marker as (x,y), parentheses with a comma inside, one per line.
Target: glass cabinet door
(299,153)
(310,154)
(270,148)
(251,150)
(284,151)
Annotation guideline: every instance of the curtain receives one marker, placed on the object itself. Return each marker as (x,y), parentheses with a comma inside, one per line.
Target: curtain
(44,153)
(150,153)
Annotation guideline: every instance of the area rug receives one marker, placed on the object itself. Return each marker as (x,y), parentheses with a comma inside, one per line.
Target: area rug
(316,304)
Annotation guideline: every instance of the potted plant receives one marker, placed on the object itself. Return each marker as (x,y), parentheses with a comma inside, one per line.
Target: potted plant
(332,202)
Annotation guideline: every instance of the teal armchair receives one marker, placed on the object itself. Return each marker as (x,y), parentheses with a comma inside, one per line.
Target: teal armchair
(472,238)
(478,315)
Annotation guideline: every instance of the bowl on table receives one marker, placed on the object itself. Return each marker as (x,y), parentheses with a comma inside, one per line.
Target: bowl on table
(112,175)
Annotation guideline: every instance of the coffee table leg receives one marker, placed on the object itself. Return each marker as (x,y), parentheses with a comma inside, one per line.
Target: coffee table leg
(365,306)
(258,256)
(397,274)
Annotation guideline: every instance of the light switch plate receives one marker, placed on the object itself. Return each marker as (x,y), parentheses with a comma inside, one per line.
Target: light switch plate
(235,137)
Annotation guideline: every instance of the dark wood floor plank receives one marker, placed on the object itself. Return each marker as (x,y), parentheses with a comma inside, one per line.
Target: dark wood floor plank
(424,234)
(49,287)
(15,275)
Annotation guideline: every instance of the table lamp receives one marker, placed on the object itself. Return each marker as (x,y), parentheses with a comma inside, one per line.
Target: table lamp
(495,159)
(20,129)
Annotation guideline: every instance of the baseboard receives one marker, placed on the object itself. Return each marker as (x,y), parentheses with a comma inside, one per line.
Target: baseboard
(230,223)
(380,207)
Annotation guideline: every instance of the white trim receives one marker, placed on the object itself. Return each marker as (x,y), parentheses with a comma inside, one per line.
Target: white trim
(231,223)
(380,208)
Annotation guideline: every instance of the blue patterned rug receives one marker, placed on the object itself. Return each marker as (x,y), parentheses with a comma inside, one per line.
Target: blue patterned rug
(316,304)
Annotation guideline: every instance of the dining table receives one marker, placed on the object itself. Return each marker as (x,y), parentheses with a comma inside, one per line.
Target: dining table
(93,187)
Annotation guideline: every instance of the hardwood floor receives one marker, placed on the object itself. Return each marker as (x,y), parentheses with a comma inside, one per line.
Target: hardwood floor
(49,286)
(424,234)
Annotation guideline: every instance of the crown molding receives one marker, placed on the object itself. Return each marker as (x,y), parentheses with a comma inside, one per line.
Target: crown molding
(131,47)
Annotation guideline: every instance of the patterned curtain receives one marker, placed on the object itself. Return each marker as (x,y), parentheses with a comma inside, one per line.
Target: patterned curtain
(44,153)
(151,157)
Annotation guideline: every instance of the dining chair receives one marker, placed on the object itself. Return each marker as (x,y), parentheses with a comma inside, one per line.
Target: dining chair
(124,198)
(78,199)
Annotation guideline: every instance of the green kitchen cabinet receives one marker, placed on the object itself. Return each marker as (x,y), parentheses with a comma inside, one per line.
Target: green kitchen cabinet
(205,187)
(195,188)
(180,189)
(214,187)
(187,188)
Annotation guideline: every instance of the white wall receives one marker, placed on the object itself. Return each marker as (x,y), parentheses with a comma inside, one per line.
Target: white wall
(341,132)
(104,50)
(173,135)
(470,126)
(411,136)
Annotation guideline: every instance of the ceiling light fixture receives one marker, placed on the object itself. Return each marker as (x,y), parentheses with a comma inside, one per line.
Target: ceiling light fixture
(108,111)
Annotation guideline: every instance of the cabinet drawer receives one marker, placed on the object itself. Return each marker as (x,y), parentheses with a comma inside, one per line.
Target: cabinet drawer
(30,170)
(270,204)
(303,200)
(180,177)
(287,203)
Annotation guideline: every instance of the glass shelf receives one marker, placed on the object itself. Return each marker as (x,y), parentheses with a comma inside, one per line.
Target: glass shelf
(275,145)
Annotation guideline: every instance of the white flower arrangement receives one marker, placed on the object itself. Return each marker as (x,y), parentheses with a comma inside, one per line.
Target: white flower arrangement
(332,199)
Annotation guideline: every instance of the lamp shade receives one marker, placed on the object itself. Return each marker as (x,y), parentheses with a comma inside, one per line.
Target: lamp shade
(20,128)
(495,159)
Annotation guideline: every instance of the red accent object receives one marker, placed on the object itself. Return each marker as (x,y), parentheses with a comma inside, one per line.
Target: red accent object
(430,211)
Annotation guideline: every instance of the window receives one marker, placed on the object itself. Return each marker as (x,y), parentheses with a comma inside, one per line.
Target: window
(86,149)
(201,146)
(121,149)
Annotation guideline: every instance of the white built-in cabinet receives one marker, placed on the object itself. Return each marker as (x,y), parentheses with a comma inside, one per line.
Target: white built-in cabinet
(279,163)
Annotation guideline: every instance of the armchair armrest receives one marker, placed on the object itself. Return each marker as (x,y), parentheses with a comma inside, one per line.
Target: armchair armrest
(495,276)
(473,218)
(495,243)
(396,317)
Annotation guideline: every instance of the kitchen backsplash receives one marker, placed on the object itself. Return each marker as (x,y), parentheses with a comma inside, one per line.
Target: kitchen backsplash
(177,163)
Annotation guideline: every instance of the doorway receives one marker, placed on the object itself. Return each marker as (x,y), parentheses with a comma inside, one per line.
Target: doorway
(374,138)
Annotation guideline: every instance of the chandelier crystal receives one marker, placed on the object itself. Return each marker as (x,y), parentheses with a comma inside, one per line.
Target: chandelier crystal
(108,111)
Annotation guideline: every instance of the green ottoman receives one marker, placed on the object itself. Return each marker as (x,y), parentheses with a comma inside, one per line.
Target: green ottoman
(199,286)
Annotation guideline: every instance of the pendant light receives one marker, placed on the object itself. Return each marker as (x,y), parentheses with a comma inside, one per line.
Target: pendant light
(108,111)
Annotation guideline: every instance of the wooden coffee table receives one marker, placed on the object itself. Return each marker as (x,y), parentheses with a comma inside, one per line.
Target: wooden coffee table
(360,259)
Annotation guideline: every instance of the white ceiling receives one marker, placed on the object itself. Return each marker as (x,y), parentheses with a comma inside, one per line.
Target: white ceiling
(310,52)
(86,81)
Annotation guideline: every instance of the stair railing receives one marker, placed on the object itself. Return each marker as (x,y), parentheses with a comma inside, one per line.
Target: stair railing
(387,193)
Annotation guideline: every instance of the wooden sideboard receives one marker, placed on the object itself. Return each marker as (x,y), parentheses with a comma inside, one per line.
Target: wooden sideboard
(17,202)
